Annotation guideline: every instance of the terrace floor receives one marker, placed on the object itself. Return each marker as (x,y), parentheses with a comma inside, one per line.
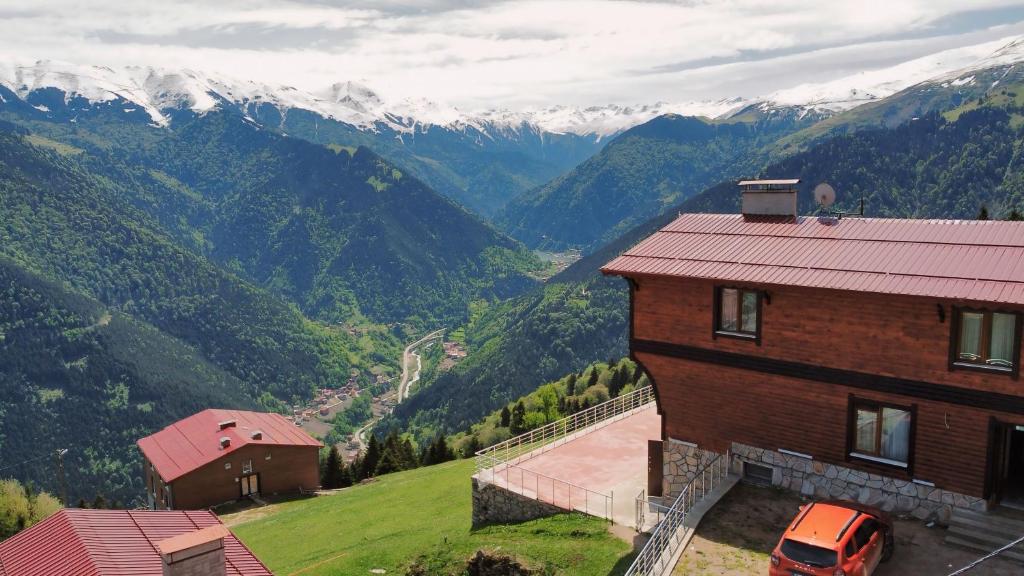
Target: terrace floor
(610,460)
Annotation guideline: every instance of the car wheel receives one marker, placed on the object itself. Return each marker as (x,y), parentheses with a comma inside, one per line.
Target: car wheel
(889,546)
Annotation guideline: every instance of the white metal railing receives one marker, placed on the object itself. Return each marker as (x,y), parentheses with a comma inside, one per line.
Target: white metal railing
(560,493)
(556,433)
(656,557)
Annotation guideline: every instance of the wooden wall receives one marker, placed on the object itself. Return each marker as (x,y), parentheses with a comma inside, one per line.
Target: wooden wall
(289,468)
(902,337)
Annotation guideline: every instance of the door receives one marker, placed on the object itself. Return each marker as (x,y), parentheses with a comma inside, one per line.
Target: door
(1012,489)
(250,484)
(869,542)
(1006,471)
(655,467)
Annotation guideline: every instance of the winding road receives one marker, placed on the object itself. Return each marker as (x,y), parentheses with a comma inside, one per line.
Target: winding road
(405,383)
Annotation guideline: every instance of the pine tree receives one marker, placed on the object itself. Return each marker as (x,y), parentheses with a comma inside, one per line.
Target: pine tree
(592,381)
(983,213)
(471,447)
(372,457)
(570,385)
(1015,215)
(518,423)
(332,469)
(637,374)
(387,464)
(441,451)
(505,416)
(615,384)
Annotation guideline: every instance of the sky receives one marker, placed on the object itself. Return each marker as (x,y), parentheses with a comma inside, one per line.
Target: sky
(482,54)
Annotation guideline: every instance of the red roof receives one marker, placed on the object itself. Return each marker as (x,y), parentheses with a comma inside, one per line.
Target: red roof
(77,542)
(979,260)
(193,442)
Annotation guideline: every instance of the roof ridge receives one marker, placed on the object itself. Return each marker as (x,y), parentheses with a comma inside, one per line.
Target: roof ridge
(791,267)
(665,230)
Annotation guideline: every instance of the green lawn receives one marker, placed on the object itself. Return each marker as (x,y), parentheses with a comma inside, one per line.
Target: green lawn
(421,514)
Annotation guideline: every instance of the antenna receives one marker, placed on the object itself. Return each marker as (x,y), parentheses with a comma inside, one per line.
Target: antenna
(824,195)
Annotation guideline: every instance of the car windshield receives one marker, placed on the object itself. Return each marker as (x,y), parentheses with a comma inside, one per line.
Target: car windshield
(807,554)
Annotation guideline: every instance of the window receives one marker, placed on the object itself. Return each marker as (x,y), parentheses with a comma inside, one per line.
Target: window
(986,339)
(865,532)
(881,433)
(737,311)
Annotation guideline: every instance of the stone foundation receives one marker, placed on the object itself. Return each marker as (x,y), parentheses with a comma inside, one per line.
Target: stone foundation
(495,505)
(820,480)
(682,463)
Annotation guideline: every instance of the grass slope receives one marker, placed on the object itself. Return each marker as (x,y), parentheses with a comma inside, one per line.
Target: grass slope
(424,515)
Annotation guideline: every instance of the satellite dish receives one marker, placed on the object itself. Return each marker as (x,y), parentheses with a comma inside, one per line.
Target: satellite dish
(824,195)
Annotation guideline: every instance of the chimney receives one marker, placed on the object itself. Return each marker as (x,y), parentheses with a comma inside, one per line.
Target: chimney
(769,197)
(227,424)
(256,435)
(195,553)
(225,441)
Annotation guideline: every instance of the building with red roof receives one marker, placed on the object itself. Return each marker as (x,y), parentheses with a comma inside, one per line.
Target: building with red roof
(870,359)
(218,456)
(79,542)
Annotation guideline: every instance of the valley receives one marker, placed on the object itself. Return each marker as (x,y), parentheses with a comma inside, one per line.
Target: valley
(193,241)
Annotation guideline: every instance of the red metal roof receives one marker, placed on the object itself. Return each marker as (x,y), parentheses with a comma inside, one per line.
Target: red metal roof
(979,260)
(193,442)
(77,542)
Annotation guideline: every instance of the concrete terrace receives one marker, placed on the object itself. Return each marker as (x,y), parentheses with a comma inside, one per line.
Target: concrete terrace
(604,460)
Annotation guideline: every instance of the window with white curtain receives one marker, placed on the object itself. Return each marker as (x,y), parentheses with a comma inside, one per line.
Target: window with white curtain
(987,339)
(881,432)
(737,312)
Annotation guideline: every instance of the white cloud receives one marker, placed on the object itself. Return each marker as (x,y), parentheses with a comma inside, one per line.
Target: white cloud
(509,53)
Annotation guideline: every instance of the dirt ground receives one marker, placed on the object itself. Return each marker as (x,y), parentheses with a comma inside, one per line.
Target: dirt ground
(737,535)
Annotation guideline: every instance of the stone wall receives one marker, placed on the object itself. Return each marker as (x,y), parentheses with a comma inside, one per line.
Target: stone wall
(682,462)
(820,480)
(495,505)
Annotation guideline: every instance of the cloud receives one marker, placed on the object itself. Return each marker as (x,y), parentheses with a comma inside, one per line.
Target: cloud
(508,53)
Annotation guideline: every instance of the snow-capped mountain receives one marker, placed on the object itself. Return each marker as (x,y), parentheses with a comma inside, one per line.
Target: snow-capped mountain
(857,89)
(160,92)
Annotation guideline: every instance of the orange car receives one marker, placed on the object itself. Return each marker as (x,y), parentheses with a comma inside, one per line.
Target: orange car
(834,538)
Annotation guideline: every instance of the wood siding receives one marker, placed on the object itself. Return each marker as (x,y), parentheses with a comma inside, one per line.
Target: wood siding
(897,337)
(289,468)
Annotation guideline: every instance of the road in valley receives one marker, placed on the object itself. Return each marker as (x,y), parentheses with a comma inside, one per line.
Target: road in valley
(405,384)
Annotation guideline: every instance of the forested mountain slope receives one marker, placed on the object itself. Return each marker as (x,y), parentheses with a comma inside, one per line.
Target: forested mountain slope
(930,167)
(75,227)
(79,375)
(339,233)
(643,171)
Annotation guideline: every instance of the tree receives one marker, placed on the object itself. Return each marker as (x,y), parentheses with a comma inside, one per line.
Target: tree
(388,463)
(505,415)
(471,447)
(570,385)
(372,457)
(616,383)
(638,372)
(983,213)
(21,508)
(518,424)
(332,469)
(592,381)
(1015,215)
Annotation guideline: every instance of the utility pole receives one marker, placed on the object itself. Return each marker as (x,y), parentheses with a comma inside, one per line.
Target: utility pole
(60,475)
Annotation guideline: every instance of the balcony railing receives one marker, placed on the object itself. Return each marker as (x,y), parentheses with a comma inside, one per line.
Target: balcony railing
(561,431)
